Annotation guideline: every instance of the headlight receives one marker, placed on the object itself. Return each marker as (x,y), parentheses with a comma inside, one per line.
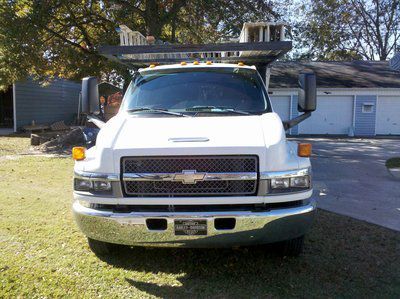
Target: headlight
(280,183)
(294,184)
(300,182)
(91,185)
(101,186)
(82,185)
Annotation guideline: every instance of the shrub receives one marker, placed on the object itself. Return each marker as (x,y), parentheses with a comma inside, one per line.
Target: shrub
(393,162)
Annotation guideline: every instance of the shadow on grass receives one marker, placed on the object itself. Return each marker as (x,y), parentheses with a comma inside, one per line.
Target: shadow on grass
(202,272)
(18,135)
(343,257)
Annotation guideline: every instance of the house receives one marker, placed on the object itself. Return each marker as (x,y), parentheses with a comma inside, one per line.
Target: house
(29,101)
(360,98)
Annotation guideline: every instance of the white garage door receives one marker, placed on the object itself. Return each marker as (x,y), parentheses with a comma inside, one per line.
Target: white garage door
(388,115)
(334,115)
(281,105)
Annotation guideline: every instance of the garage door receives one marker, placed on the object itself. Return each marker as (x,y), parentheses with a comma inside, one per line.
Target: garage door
(388,115)
(334,115)
(281,105)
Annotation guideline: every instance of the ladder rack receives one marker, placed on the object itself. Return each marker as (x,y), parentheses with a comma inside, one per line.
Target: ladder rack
(259,43)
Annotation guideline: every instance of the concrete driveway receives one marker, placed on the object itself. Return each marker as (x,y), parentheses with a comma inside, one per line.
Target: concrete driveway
(350,178)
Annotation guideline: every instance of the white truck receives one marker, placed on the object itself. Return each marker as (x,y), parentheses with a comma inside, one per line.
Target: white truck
(195,157)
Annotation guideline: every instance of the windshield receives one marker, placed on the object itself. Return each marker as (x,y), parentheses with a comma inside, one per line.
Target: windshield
(196,90)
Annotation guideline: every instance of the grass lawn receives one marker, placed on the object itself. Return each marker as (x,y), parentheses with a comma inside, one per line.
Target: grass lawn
(44,255)
(11,145)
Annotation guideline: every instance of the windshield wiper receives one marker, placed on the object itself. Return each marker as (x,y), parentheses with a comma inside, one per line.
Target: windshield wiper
(216,109)
(159,110)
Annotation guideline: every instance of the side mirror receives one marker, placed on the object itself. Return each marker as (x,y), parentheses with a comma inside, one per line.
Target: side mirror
(90,96)
(307,93)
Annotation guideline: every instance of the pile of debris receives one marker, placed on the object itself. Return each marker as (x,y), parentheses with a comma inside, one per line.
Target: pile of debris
(57,138)
(63,142)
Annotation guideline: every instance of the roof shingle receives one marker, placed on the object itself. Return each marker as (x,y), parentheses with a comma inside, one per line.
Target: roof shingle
(337,74)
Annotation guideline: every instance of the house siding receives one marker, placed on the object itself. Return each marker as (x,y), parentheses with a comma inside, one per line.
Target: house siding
(45,104)
(364,123)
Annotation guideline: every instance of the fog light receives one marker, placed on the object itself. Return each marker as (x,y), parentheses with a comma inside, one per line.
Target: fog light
(101,186)
(280,183)
(82,185)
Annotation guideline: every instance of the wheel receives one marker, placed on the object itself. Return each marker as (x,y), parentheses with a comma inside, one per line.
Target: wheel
(293,247)
(100,247)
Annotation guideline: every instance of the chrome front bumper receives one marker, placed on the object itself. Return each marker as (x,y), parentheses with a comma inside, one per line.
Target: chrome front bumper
(252,227)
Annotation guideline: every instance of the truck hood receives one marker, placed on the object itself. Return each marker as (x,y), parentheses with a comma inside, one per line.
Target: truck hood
(176,132)
(127,135)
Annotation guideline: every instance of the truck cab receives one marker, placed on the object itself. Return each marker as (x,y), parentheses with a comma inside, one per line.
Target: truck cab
(195,157)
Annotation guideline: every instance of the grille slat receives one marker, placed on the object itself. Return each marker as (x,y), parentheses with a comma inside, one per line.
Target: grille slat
(208,164)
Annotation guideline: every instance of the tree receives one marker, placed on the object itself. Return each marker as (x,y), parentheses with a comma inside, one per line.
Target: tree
(187,21)
(46,39)
(228,16)
(351,29)
(59,38)
(377,27)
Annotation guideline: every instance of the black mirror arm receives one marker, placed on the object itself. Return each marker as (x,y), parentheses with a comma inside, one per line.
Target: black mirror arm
(287,124)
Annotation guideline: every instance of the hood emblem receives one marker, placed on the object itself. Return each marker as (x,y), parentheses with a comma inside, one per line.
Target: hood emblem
(189,177)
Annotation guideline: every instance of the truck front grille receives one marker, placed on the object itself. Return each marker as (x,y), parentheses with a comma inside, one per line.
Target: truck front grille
(155,187)
(200,164)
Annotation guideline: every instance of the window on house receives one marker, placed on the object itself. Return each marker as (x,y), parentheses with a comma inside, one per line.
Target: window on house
(367,108)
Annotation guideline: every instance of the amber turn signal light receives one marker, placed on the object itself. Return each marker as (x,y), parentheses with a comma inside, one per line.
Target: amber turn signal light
(304,149)
(78,153)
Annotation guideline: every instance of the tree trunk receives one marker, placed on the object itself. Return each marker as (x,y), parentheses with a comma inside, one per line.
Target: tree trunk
(173,30)
(152,19)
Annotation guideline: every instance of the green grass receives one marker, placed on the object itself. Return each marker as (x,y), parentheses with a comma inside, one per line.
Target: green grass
(12,145)
(43,254)
(393,162)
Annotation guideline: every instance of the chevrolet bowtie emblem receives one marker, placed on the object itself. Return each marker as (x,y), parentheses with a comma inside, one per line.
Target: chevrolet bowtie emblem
(189,176)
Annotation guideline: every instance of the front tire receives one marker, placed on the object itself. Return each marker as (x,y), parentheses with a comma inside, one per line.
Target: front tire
(101,248)
(293,247)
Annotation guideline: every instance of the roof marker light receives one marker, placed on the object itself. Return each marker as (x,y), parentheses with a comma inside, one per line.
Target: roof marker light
(209,62)
(240,63)
(196,63)
(183,63)
(152,65)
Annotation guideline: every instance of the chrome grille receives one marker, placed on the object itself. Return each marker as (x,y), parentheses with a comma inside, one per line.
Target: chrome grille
(201,188)
(201,164)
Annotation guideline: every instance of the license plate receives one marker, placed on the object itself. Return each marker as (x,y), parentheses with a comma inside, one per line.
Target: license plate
(190,227)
